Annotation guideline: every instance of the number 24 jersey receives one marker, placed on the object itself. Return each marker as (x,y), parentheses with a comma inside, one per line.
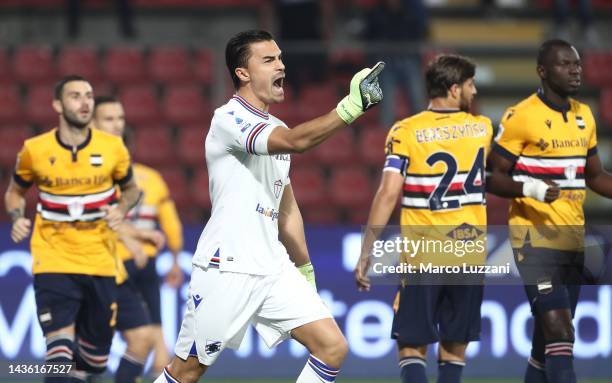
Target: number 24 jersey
(441,155)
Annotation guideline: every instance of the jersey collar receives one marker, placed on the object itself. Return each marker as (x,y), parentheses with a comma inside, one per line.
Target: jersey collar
(248,106)
(445,110)
(563,109)
(78,147)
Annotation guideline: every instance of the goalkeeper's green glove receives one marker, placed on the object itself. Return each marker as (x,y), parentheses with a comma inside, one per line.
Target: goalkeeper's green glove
(364,94)
(308,272)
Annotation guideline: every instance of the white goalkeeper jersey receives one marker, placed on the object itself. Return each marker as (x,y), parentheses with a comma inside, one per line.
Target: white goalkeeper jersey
(246,185)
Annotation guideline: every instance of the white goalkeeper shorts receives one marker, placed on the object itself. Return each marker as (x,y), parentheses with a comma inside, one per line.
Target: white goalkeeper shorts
(222,305)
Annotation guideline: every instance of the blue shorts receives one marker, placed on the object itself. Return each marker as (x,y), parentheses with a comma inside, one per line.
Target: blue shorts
(146,281)
(552,277)
(87,301)
(432,313)
(133,311)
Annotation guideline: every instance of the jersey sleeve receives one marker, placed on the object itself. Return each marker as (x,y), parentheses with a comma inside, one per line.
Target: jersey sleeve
(593,139)
(511,139)
(244,136)
(24,173)
(122,173)
(396,151)
(489,137)
(169,220)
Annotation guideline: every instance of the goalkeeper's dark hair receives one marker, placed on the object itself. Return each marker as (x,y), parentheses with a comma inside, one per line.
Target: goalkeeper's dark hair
(446,70)
(237,50)
(548,46)
(59,86)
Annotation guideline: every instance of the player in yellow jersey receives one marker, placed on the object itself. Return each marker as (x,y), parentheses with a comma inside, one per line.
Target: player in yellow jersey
(544,156)
(73,243)
(436,159)
(156,208)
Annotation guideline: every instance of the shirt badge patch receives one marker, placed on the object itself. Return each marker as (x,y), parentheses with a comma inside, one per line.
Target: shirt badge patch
(95,160)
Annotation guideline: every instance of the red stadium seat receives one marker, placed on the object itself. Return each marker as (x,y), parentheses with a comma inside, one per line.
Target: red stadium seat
(82,61)
(34,65)
(309,187)
(186,105)
(10,110)
(6,72)
(204,66)
(12,138)
(177,183)
(350,187)
(338,150)
(597,68)
(372,146)
(325,216)
(153,146)
(200,189)
(305,159)
(38,106)
(190,145)
(125,66)
(605,106)
(317,100)
(170,65)
(140,104)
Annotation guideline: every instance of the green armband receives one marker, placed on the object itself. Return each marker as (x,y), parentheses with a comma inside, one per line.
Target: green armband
(308,272)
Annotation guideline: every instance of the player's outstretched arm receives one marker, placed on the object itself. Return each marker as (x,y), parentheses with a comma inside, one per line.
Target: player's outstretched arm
(364,93)
(291,234)
(500,183)
(382,207)
(597,178)
(14,201)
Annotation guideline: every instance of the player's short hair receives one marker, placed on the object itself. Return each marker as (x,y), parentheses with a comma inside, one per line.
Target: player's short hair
(444,71)
(237,50)
(59,86)
(548,46)
(100,100)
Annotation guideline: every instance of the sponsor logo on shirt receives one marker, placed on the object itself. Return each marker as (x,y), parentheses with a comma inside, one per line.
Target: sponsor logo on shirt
(272,213)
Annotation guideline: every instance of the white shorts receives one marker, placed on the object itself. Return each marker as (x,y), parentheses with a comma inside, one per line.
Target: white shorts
(222,304)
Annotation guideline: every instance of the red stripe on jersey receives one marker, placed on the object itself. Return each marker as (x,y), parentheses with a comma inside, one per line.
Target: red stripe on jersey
(430,188)
(544,169)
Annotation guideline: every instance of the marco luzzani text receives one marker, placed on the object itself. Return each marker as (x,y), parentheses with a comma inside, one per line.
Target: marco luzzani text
(429,249)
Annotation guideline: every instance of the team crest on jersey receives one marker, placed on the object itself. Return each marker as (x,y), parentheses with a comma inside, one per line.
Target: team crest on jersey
(278,186)
(570,172)
(464,232)
(212,347)
(95,160)
(542,144)
(580,122)
(548,123)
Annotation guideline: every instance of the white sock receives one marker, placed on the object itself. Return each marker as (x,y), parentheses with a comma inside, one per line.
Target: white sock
(315,371)
(165,377)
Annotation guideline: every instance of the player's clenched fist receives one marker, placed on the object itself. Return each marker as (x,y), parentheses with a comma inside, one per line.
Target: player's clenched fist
(21,229)
(114,216)
(364,93)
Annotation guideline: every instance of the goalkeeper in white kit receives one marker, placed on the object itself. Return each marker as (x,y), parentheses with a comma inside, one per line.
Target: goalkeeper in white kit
(244,268)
